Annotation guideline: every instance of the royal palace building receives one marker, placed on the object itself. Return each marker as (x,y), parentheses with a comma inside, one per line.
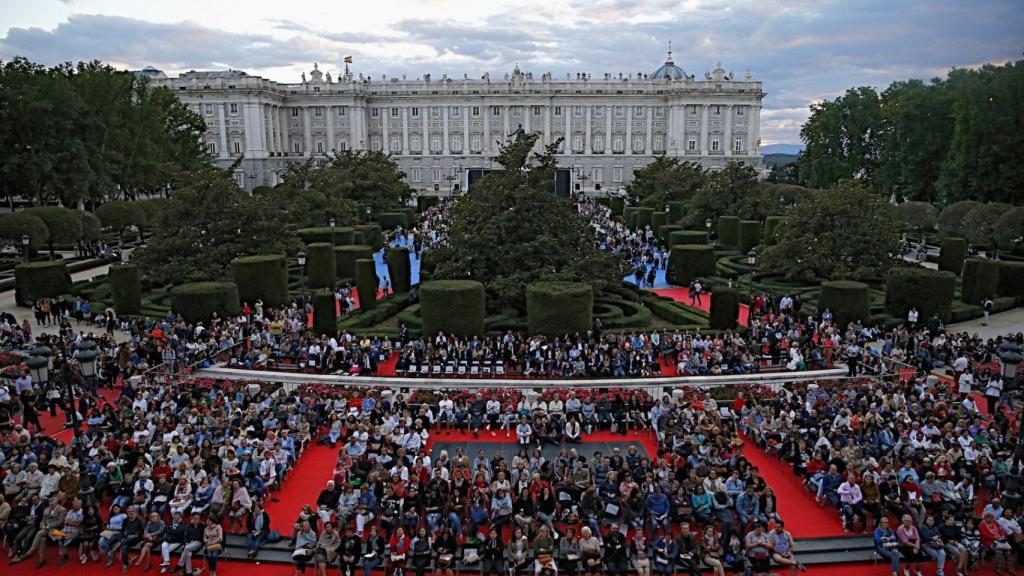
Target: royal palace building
(444,132)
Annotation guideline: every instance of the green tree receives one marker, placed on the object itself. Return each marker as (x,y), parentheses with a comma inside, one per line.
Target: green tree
(14,226)
(509,230)
(916,217)
(952,217)
(843,139)
(1009,228)
(979,224)
(665,180)
(119,215)
(722,193)
(62,224)
(847,232)
(369,179)
(917,124)
(214,222)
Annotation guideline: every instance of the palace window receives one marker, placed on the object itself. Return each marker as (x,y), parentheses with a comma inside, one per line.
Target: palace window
(578,111)
(659,143)
(475,143)
(715,146)
(691,145)
(415,111)
(718,110)
(737,145)
(295,112)
(320,147)
(342,110)
(457,144)
(456,111)
(375,144)
(659,112)
(237,146)
(536,110)
(396,143)
(296,147)
(435,111)
(638,111)
(558,110)
(209,109)
(476,111)
(435,144)
(211,147)
(619,111)
(599,143)
(394,112)
(618,144)
(416,174)
(233,108)
(415,144)
(318,111)
(577,143)
(638,143)
(374,112)
(739,111)
(617,174)
(495,111)
(599,112)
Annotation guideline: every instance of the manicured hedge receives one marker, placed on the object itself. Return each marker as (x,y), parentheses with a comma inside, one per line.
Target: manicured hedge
(1011,279)
(345,259)
(771,225)
(980,280)
(198,301)
(728,230)
(359,238)
(391,220)
(372,234)
(321,266)
(604,201)
(847,300)
(399,268)
(749,235)
(557,308)
(366,283)
(666,231)
(125,288)
(424,203)
(325,313)
(629,216)
(952,255)
(643,217)
(689,261)
(35,280)
(617,204)
(453,307)
(930,290)
(675,211)
(725,309)
(263,277)
(680,237)
(314,235)
(411,215)
(344,235)
(658,219)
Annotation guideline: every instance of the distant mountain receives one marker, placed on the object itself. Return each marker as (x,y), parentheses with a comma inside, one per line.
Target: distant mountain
(779,159)
(782,149)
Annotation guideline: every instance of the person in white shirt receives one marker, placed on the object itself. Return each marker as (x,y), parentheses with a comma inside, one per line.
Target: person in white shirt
(852,502)
(965,383)
(524,432)
(493,413)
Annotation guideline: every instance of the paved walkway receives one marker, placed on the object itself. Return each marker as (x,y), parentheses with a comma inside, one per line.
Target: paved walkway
(7,303)
(1009,322)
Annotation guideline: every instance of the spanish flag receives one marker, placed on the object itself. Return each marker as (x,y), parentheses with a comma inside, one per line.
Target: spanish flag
(348,59)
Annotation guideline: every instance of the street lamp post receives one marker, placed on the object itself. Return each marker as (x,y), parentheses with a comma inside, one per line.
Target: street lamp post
(1009,360)
(752,261)
(301,257)
(707,226)
(26,241)
(451,184)
(332,222)
(86,358)
(369,214)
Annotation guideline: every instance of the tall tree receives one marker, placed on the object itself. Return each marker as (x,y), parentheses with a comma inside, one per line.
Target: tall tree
(665,180)
(843,138)
(722,193)
(370,179)
(917,126)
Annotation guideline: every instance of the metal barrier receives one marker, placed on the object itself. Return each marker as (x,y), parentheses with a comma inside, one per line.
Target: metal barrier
(657,383)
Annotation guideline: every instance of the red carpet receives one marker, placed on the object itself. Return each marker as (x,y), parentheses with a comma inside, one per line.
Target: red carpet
(302,485)
(803,516)
(682,295)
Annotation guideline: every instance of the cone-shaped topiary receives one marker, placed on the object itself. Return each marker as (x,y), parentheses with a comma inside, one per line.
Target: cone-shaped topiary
(1011,279)
(690,261)
(399,268)
(771,225)
(728,230)
(346,256)
(36,280)
(392,220)
(979,280)
(680,237)
(325,313)
(643,217)
(372,234)
(666,231)
(658,219)
(618,205)
(725,309)
(931,291)
(314,235)
(749,235)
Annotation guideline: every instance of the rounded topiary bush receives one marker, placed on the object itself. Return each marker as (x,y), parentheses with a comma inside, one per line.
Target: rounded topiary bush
(125,288)
(366,283)
(847,300)
(325,313)
(666,232)
(315,235)
(952,255)
(980,280)
(392,220)
(345,259)
(36,280)
(1011,279)
(557,308)
(680,237)
(771,227)
(453,307)
(725,309)
(321,265)
(198,301)
(749,235)
(360,239)
(643,217)
(263,277)
(658,219)
(426,202)
(399,268)
(728,230)
(675,211)
(690,261)
(617,204)
(372,234)
(930,290)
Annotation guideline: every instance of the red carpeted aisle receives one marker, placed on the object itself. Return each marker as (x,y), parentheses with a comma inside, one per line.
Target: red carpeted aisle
(803,516)
(682,296)
(302,486)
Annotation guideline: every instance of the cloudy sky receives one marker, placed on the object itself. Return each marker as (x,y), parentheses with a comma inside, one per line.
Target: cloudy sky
(803,50)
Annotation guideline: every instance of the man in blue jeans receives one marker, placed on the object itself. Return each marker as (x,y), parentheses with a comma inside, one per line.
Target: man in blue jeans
(657,510)
(886,545)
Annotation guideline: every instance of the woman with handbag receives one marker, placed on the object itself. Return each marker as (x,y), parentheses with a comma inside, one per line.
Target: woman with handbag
(544,552)
(422,551)
(492,555)
(640,554)
(993,537)
(569,552)
(399,548)
(373,556)
(446,547)
(305,543)
(327,548)
(590,552)
(213,543)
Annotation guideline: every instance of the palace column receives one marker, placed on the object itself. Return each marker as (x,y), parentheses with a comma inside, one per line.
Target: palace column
(629,129)
(329,110)
(607,130)
(650,130)
(586,143)
(405,130)
(444,131)
(728,130)
(222,130)
(705,109)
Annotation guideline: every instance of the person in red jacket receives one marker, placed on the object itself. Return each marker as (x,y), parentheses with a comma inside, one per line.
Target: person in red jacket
(399,549)
(993,537)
